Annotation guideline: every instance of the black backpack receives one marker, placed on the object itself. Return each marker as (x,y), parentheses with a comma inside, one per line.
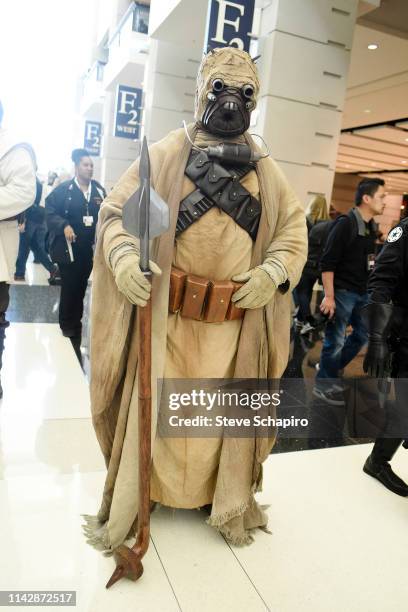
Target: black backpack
(317,241)
(36,213)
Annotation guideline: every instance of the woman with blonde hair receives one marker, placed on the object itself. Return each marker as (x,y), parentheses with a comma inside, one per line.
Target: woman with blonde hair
(317,210)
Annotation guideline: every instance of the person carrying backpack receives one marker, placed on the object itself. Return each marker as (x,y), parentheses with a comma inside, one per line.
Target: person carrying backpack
(346,263)
(318,224)
(32,236)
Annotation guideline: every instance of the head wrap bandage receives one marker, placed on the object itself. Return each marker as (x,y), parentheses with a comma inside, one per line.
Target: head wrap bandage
(225,110)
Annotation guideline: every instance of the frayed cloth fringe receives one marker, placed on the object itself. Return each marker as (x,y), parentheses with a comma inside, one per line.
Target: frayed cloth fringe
(243,540)
(220,519)
(219,522)
(96,534)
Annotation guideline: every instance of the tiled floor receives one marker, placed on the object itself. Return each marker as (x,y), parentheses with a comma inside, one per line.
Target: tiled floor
(338,538)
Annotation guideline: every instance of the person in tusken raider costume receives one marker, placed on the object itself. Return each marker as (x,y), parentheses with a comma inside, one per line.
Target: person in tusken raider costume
(231,219)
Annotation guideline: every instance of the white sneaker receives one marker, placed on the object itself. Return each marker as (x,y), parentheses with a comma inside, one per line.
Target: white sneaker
(330,396)
(306,329)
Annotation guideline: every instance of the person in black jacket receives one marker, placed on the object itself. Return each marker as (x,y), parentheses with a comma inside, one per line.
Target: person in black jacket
(317,218)
(387,353)
(346,263)
(32,236)
(72,211)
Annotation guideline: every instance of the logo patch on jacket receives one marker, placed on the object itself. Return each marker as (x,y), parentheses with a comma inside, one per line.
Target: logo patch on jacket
(395,234)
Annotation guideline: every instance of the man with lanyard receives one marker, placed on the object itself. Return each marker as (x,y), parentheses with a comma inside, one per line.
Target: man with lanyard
(72,211)
(346,263)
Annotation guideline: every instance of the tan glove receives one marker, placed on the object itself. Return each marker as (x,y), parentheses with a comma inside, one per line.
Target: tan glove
(257,291)
(130,279)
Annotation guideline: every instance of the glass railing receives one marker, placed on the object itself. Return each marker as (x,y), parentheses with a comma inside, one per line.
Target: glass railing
(136,19)
(141,18)
(96,72)
(92,87)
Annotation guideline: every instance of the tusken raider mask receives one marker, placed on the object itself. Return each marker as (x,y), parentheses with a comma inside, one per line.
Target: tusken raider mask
(227,89)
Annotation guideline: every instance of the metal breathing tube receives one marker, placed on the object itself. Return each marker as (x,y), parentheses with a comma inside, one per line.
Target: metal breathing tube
(232,153)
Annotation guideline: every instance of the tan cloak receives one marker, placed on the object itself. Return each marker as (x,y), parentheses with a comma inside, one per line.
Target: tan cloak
(263,345)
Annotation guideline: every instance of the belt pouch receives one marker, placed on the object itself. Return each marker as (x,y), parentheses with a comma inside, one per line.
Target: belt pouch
(194,296)
(214,180)
(234,312)
(248,211)
(197,165)
(233,196)
(218,301)
(177,283)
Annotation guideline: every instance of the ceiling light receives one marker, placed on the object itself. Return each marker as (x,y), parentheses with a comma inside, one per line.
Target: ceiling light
(406,140)
(404,161)
(367,110)
(372,46)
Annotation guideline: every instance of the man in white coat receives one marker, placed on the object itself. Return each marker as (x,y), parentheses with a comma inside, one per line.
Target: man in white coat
(17,193)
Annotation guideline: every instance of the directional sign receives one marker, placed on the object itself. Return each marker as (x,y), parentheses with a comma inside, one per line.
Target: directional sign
(128,112)
(229,23)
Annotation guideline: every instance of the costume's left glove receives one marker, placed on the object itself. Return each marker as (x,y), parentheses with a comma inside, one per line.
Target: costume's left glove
(377,318)
(257,291)
(130,280)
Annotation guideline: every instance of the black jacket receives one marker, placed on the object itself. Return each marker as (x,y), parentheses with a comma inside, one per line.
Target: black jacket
(67,205)
(350,251)
(317,239)
(389,279)
(36,213)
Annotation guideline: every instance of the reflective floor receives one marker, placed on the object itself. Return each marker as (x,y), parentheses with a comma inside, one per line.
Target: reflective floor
(338,538)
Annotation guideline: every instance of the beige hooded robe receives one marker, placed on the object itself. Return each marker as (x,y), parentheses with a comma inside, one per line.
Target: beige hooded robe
(190,472)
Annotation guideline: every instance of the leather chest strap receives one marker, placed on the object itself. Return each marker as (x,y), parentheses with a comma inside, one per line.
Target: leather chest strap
(218,186)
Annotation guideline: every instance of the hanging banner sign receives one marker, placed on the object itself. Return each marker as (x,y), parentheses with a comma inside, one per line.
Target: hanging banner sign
(229,23)
(92,137)
(128,112)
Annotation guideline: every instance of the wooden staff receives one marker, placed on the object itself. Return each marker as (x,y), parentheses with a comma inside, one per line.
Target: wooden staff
(145,219)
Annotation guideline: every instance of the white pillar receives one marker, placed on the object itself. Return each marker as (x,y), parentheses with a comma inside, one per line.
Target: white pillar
(177,30)
(170,81)
(305,54)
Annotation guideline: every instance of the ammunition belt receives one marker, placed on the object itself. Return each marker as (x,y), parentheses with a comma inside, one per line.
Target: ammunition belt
(203,299)
(218,186)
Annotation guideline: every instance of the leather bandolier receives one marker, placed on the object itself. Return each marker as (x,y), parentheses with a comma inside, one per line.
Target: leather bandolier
(218,185)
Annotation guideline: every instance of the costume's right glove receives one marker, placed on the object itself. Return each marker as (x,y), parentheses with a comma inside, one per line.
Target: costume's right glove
(377,318)
(130,279)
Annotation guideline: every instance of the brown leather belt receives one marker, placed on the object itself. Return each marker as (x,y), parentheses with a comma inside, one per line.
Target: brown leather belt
(203,299)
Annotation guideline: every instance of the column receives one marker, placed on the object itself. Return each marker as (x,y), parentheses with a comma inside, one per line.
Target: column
(305,54)
(176,47)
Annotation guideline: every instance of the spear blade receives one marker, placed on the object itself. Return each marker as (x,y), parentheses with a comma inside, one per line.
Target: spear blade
(144,206)
(145,214)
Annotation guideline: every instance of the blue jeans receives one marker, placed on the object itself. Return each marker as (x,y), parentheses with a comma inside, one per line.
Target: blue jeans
(338,350)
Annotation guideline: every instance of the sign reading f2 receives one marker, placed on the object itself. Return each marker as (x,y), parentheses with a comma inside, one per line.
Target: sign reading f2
(229,23)
(92,137)
(128,112)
